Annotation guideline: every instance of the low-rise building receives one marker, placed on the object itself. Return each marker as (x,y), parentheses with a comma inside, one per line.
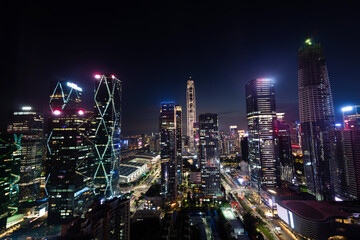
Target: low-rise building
(320,219)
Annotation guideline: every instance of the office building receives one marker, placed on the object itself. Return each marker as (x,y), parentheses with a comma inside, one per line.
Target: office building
(179,171)
(168,146)
(10,174)
(283,147)
(351,117)
(316,119)
(320,220)
(107,220)
(191,113)
(209,155)
(244,145)
(64,94)
(347,171)
(27,127)
(261,114)
(234,132)
(69,163)
(107,100)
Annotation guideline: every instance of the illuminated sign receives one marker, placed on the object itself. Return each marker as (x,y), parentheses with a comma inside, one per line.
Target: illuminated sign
(291,219)
(74,86)
(26,108)
(283,213)
(347,109)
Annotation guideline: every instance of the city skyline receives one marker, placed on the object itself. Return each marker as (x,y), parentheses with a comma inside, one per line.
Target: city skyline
(220,51)
(180,120)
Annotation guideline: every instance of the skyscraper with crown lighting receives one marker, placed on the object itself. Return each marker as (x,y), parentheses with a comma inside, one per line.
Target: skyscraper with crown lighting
(316,119)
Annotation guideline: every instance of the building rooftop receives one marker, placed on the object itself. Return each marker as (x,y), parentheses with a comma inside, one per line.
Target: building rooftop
(315,210)
(146,155)
(135,164)
(125,171)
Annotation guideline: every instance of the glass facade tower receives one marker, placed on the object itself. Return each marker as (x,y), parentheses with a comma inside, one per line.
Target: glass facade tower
(179,163)
(28,127)
(107,142)
(69,164)
(316,119)
(168,146)
(261,115)
(209,155)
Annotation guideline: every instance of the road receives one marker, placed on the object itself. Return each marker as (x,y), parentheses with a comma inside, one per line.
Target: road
(236,189)
(143,187)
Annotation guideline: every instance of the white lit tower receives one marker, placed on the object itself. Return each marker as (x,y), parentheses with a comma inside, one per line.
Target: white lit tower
(261,115)
(107,134)
(191,113)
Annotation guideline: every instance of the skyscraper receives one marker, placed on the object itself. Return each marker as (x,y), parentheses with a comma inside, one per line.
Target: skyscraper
(107,142)
(168,146)
(261,114)
(347,172)
(209,155)
(64,94)
(191,113)
(283,146)
(351,117)
(69,164)
(316,119)
(179,162)
(10,174)
(27,126)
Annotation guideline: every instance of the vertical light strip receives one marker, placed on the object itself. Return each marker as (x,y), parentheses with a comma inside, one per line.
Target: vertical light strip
(291,220)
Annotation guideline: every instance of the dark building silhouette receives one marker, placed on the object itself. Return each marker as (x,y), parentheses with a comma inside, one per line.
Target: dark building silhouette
(107,221)
(317,120)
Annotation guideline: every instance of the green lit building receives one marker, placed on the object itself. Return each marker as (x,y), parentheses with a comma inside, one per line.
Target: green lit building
(9,180)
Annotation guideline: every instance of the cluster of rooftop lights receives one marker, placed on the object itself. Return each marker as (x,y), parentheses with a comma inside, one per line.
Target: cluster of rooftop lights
(58,112)
(308,41)
(98,76)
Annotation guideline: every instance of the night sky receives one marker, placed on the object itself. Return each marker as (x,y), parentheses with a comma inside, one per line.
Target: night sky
(155,47)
